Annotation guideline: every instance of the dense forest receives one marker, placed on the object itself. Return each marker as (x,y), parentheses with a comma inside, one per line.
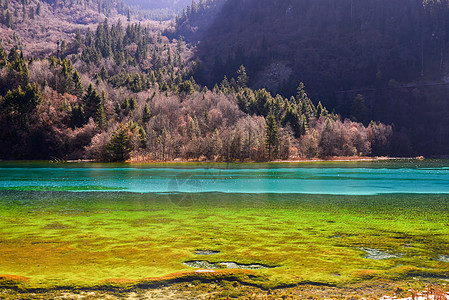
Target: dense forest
(368,60)
(230,80)
(157,9)
(121,92)
(15,12)
(173,5)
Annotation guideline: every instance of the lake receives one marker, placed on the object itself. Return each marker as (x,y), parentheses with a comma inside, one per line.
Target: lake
(323,222)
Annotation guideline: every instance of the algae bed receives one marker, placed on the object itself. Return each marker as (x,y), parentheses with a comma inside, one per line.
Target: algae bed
(51,238)
(86,238)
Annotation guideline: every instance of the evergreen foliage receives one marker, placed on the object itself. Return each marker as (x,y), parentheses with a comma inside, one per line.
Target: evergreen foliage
(272,137)
(119,147)
(142,101)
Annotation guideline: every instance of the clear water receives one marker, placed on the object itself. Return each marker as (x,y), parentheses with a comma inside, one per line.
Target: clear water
(329,222)
(348,178)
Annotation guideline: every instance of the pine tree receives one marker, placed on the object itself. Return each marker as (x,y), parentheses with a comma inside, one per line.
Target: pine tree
(77,117)
(92,102)
(13,56)
(8,19)
(242,79)
(142,137)
(132,104)
(271,137)
(125,105)
(78,40)
(186,88)
(78,88)
(146,115)
(103,73)
(22,103)
(3,58)
(67,69)
(119,146)
(63,47)
(101,119)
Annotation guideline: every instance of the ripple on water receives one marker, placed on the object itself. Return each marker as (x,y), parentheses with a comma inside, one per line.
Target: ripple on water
(206,252)
(377,254)
(444,258)
(202,264)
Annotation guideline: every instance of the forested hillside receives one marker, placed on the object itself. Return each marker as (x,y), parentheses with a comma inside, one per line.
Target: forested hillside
(174,5)
(110,89)
(120,91)
(368,60)
(37,26)
(160,10)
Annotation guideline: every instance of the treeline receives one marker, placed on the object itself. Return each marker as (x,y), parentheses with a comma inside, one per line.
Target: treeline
(133,57)
(335,45)
(15,12)
(194,20)
(53,111)
(106,7)
(159,10)
(11,13)
(173,5)
(354,55)
(195,11)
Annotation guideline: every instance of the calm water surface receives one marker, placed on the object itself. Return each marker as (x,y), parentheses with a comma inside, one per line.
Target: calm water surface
(329,222)
(333,178)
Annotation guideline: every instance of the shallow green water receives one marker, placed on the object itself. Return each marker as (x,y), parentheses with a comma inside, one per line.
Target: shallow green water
(323,222)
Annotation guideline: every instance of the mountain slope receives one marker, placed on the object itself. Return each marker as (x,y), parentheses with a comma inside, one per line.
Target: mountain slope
(174,5)
(36,26)
(359,57)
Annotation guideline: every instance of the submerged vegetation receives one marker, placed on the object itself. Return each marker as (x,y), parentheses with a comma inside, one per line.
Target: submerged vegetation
(82,79)
(87,239)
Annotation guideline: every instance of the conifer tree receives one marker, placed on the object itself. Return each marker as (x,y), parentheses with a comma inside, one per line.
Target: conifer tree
(77,85)
(92,102)
(77,117)
(125,105)
(20,104)
(101,119)
(146,115)
(3,58)
(142,137)
(242,79)
(271,137)
(132,104)
(119,146)
(8,19)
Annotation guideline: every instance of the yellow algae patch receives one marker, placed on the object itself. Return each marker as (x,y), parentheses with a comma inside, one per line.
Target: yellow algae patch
(365,274)
(243,276)
(12,280)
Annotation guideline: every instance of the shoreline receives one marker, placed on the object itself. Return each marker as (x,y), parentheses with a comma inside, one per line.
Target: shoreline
(299,160)
(237,162)
(200,285)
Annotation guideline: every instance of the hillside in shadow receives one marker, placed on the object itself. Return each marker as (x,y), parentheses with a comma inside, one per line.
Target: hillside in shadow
(368,60)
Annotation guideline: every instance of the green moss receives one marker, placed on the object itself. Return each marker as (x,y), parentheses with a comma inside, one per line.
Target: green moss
(86,238)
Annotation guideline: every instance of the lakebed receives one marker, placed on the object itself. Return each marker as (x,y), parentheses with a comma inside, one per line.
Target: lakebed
(266,226)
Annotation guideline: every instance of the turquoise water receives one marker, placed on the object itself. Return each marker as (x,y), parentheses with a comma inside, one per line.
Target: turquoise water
(344,178)
(330,222)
